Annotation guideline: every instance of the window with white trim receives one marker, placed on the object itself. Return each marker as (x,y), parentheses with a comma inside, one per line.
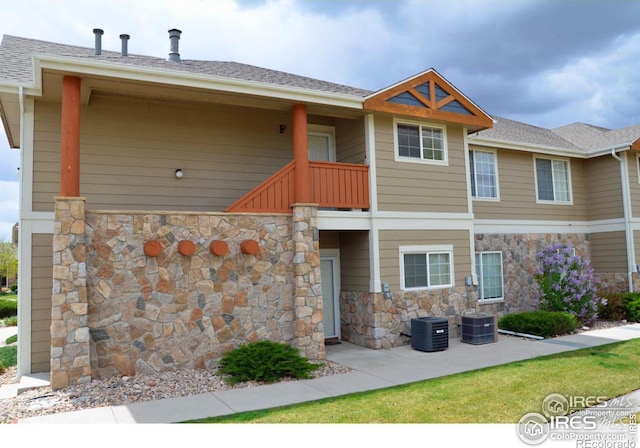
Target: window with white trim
(426,266)
(553,180)
(484,178)
(489,272)
(420,143)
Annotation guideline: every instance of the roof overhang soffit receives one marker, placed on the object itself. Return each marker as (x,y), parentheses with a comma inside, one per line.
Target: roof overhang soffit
(635,145)
(429,96)
(185,79)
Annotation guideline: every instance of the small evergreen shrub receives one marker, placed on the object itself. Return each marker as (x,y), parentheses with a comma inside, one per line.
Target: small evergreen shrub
(9,356)
(14,288)
(8,308)
(632,307)
(266,361)
(11,339)
(539,323)
(2,368)
(613,307)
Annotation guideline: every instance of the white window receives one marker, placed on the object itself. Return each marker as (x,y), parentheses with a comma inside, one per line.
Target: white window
(417,142)
(489,271)
(484,177)
(426,266)
(553,180)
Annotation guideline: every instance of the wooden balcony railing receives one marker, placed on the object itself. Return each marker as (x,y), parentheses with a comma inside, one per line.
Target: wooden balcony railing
(333,185)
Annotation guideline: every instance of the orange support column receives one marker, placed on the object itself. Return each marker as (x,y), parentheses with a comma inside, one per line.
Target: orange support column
(302,181)
(70,138)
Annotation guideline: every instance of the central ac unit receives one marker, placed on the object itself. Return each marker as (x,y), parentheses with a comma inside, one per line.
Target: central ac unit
(479,328)
(429,334)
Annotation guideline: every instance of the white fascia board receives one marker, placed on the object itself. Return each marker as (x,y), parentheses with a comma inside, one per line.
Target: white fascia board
(335,220)
(527,226)
(541,149)
(187,79)
(10,87)
(423,221)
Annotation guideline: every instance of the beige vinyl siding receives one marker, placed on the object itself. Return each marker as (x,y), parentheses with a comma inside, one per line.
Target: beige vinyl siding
(354,261)
(518,195)
(420,187)
(391,240)
(634,182)
(130,150)
(41,284)
(636,243)
(350,146)
(605,192)
(608,252)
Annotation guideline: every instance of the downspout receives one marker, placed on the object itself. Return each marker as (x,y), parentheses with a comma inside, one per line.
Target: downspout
(626,198)
(21,291)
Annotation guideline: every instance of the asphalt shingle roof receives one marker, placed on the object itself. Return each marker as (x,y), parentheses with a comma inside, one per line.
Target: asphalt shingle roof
(16,66)
(514,131)
(579,137)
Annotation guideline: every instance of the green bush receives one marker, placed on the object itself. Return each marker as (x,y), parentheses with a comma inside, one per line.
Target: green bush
(11,339)
(539,323)
(614,308)
(14,288)
(9,321)
(8,308)
(9,356)
(266,361)
(632,307)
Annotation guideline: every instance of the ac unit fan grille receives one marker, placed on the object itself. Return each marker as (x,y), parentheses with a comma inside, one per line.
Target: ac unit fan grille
(429,334)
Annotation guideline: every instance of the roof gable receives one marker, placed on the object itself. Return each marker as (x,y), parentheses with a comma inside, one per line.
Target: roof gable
(429,95)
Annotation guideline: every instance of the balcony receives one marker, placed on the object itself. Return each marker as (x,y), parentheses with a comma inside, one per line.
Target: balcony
(333,186)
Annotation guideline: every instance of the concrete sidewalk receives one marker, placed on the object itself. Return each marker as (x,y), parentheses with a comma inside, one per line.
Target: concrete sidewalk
(375,369)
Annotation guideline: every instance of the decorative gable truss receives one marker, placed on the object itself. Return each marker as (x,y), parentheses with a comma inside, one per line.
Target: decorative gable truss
(428,95)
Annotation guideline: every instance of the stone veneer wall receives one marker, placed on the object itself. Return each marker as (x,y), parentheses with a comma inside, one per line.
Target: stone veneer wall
(176,309)
(373,321)
(520,263)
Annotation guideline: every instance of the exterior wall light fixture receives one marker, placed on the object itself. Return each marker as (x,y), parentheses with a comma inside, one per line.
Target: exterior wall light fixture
(179,173)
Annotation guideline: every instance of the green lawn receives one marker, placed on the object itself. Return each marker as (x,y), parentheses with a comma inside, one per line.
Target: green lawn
(501,394)
(8,302)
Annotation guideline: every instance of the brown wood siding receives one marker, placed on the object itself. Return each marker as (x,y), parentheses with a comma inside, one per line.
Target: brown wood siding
(131,149)
(605,192)
(41,284)
(354,261)
(608,252)
(634,183)
(391,240)
(329,239)
(420,187)
(518,196)
(350,147)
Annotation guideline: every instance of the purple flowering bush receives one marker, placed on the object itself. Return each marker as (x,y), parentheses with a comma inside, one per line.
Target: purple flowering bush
(566,283)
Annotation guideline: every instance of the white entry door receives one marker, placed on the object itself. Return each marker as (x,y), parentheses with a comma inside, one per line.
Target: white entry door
(329,272)
(321,140)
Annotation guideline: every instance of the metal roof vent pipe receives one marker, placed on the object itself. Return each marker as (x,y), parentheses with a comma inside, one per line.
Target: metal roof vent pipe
(174,37)
(124,38)
(98,45)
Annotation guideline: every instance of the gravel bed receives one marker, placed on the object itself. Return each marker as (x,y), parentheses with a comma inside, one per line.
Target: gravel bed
(124,390)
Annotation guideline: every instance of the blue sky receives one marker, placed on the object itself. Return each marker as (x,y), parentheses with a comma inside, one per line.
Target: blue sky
(547,63)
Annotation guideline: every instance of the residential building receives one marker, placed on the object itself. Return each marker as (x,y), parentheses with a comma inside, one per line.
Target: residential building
(174,209)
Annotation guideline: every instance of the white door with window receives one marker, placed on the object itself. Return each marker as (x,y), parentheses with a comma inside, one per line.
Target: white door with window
(321,143)
(330,274)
